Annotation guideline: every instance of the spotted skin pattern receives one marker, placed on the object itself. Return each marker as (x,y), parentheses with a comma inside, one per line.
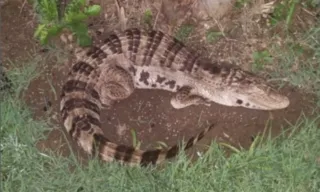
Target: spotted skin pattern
(136,59)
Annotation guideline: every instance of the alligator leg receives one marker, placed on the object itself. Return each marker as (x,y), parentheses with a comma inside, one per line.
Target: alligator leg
(119,86)
(185,98)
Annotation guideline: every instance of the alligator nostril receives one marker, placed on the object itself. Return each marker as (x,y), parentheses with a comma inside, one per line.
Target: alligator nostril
(239,101)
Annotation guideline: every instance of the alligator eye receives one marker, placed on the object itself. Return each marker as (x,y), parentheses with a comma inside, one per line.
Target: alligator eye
(239,101)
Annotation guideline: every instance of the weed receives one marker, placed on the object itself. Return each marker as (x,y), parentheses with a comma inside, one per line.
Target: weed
(147,17)
(21,77)
(135,142)
(312,41)
(283,11)
(260,59)
(161,145)
(292,7)
(212,35)
(297,59)
(5,83)
(53,21)
(184,32)
(241,3)
(310,3)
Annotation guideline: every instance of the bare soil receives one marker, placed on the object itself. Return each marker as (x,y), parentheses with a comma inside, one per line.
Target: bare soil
(148,113)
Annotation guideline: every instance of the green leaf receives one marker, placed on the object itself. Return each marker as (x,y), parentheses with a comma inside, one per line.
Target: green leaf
(39,30)
(42,33)
(75,13)
(54,30)
(148,16)
(75,7)
(79,28)
(81,2)
(47,10)
(45,31)
(75,17)
(81,32)
(84,40)
(92,10)
(44,37)
(134,137)
(213,35)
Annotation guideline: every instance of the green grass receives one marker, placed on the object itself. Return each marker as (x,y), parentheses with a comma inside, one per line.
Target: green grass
(299,62)
(310,3)
(260,58)
(284,11)
(295,62)
(282,164)
(289,162)
(22,75)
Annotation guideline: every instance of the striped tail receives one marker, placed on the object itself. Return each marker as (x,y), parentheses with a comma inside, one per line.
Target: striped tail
(80,111)
(109,151)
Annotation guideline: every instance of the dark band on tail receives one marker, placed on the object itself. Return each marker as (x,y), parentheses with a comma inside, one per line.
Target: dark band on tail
(82,104)
(151,157)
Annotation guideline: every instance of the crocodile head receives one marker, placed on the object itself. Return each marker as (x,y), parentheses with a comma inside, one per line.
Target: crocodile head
(242,88)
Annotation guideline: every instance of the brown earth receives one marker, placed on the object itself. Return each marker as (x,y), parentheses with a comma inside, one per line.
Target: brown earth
(146,112)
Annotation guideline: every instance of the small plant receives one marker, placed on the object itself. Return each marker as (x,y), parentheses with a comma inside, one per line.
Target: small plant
(184,32)
(136,144)
(283,11)
(296,48)
(212,35)
(147,17)
(161,145)
(53,20)
(311,3)
(241,3)
(260,59)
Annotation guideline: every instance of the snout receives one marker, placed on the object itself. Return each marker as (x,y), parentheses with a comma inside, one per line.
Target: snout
(274,102)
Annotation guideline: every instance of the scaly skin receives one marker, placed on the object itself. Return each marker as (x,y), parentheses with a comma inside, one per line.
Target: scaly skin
(136,59)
